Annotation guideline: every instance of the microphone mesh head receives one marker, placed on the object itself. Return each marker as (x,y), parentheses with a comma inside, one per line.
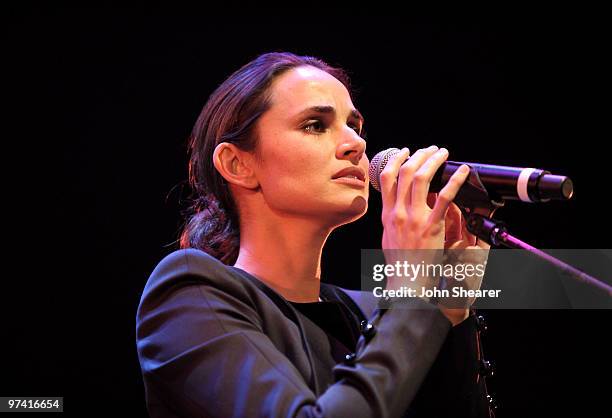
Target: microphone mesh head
(378,163)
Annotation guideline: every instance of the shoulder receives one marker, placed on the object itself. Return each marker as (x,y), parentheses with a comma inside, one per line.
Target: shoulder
(194,270)
(187,262)
(193,305)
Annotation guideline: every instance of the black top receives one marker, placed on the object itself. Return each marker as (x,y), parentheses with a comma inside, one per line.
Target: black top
(334,332)
(214,341)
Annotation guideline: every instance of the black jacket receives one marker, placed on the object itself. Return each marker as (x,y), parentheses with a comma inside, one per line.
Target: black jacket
(213,341)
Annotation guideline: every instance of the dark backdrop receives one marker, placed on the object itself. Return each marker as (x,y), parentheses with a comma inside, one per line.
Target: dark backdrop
(101,104)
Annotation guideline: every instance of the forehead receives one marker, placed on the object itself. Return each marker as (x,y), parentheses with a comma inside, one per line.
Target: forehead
(308,86)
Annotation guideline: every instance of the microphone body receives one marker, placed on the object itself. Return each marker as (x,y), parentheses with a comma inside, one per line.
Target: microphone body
(501,182)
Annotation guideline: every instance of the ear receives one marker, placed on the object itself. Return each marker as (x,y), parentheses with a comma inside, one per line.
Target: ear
(235,165)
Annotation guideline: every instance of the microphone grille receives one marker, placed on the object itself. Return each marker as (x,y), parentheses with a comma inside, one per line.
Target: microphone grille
(378,163)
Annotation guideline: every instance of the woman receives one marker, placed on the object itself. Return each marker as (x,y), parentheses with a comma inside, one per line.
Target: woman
(238,323)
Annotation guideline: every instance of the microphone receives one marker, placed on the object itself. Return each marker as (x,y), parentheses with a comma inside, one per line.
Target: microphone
(501,182)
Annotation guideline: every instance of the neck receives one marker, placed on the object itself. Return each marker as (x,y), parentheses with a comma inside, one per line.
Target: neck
(285,254)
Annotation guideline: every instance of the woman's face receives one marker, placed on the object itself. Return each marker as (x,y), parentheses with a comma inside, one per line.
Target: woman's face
(310,133)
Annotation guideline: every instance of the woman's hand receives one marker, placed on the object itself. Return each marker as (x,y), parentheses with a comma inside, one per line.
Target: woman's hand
(414,219)
(408,221)
(465,248)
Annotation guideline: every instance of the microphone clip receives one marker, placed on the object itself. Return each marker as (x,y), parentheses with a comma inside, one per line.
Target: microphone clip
(478,206)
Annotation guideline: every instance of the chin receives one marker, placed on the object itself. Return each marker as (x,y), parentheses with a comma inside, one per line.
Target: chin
(347,214)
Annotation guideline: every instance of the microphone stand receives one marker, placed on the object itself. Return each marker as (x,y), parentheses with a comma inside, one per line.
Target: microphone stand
(478,208)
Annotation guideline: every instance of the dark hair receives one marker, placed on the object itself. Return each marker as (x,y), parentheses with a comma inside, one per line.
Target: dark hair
(230,115)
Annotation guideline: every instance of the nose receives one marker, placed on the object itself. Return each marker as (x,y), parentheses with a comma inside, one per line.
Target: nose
(351,147)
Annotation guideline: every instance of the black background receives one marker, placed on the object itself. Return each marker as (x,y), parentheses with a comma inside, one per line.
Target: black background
(102,102)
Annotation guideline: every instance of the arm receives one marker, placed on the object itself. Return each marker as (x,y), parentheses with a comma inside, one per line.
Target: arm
(203,352)
(453,386)
(455,373)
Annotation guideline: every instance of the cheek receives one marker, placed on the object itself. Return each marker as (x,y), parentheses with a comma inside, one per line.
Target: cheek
(294,172)
(295,159)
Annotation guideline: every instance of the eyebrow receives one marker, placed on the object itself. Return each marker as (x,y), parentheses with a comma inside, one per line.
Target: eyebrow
(355,114)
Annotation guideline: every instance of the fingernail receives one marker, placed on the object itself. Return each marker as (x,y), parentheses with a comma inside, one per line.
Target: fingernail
(443,151)
(464,169)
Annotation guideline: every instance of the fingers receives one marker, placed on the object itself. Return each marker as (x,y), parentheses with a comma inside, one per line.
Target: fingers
(431,199)
(407,173)
(483,244)
(448,193)
(424,174)
(388,178)
(467,235)
(453,224)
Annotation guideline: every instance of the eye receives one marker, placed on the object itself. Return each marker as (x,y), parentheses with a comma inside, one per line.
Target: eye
(356,128)
(360,131)
(314,126)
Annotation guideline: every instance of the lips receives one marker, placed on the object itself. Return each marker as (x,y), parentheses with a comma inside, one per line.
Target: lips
(353,172)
